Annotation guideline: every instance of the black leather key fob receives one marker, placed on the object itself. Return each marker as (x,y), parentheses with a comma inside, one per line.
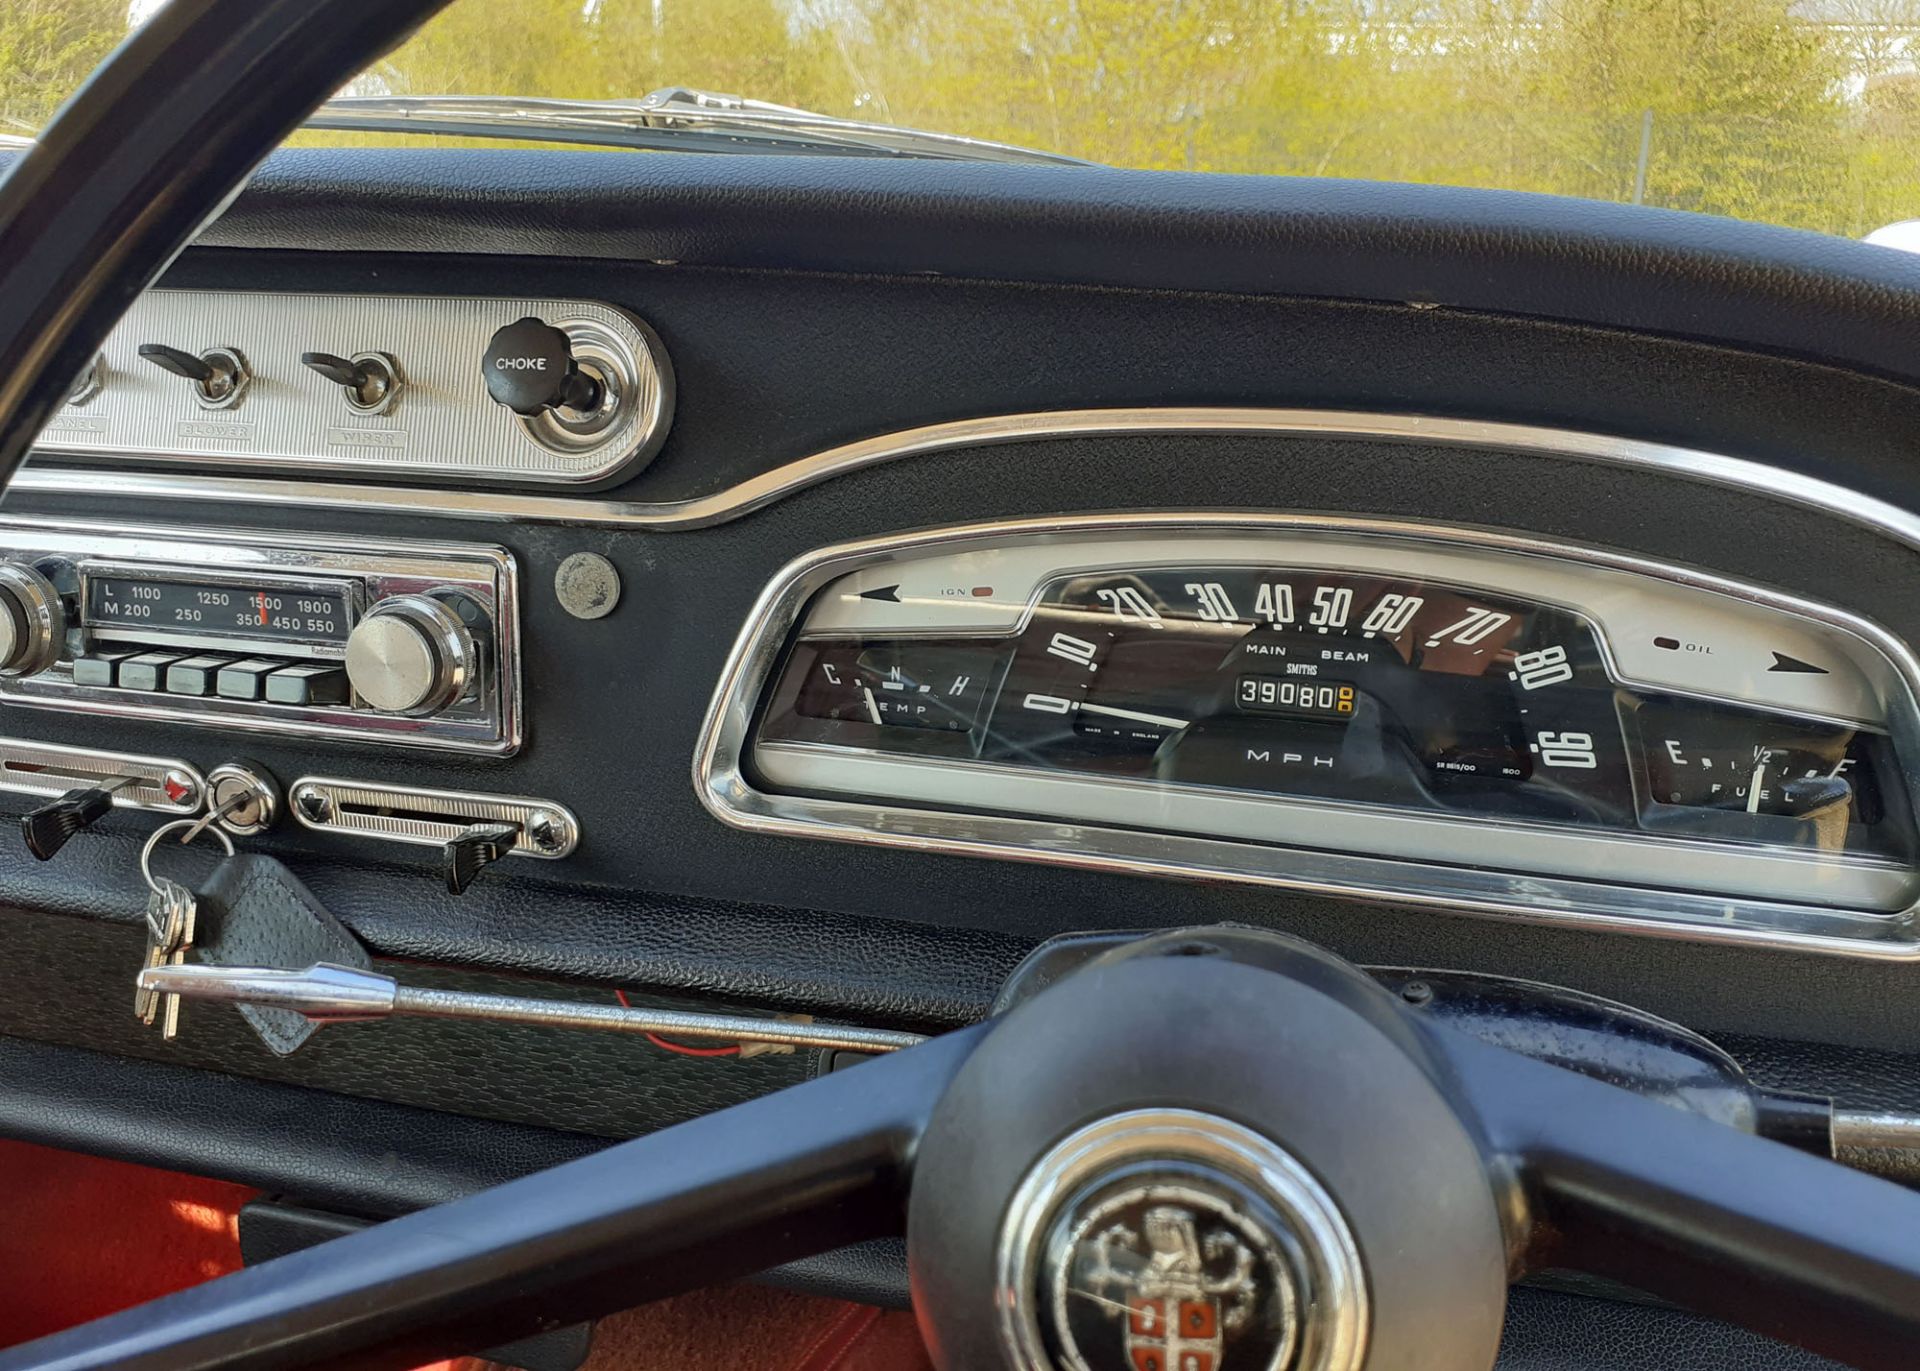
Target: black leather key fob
(259,914)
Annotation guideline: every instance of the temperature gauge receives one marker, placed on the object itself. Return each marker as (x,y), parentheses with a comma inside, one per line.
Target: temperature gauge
(925,685)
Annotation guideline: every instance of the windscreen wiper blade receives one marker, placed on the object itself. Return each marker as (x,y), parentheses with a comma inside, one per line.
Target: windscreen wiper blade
(672,120)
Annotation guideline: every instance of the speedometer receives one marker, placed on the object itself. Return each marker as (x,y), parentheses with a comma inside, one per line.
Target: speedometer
(1478,711)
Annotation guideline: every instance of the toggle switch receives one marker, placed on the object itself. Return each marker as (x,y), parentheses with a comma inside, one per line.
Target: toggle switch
(370,381)
(219,375)
(89,383)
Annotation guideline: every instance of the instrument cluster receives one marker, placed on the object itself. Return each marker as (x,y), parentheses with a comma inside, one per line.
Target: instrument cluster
(1485,710)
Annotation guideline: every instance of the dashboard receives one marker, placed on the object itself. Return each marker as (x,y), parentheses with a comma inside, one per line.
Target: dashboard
(898,596)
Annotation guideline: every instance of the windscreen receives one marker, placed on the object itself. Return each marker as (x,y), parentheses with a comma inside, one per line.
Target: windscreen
(1796,112)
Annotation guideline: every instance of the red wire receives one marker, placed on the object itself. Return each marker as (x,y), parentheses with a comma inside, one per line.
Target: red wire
(732,1050)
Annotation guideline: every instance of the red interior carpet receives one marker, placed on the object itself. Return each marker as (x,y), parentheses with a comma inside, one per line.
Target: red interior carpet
(81,1237)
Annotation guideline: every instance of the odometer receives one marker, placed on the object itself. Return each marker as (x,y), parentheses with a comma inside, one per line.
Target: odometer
(1278,695)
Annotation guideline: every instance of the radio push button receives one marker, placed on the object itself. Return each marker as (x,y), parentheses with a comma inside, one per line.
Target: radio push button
(194,675)
(100,668)
(148,671)
(245,679)
(312,683)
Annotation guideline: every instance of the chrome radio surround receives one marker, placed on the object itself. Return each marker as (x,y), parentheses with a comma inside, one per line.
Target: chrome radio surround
(340,579)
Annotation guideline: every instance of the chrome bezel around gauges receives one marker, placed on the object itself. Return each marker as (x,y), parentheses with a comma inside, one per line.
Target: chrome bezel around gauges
(1650,884)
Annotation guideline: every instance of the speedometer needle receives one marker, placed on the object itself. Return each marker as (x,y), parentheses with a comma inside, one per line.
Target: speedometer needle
(872,708)
(1163,720)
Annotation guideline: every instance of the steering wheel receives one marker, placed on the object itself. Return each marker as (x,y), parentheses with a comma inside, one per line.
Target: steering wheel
(1203,1151)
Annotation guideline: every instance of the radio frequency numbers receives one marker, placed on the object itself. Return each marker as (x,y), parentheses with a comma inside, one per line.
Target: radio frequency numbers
(308,615)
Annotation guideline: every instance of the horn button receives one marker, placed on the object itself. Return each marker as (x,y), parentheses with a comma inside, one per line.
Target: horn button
(1186,1163)
(1169,1240)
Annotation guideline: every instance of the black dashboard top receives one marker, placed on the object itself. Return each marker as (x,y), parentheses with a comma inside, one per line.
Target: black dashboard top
(1609,265)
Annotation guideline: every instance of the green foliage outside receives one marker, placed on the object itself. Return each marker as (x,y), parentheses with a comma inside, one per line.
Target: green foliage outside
(47,47)
(1802,112)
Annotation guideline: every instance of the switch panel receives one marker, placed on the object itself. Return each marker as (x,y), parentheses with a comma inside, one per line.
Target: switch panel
(385,386)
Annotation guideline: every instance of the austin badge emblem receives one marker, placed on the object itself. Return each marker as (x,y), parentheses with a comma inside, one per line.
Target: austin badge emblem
(1173,1278)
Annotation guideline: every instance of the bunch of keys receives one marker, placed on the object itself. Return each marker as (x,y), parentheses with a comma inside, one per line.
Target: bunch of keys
(172,912)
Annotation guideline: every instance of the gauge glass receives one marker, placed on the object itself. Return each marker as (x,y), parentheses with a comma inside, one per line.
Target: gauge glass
(1345,688)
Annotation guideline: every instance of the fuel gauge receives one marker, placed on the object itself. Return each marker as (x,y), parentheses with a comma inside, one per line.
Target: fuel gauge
(1706,763)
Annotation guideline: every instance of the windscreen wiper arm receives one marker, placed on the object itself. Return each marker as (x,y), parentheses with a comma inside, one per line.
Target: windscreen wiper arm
(672,120)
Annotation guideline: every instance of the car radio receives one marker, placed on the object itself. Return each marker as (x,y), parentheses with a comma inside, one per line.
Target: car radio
(406,643)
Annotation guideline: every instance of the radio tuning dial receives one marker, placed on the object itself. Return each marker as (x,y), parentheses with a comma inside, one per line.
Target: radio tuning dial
(411,654)
(33,621)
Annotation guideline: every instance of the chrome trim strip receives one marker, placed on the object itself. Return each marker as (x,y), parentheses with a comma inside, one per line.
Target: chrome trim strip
(1694,876)
(49,770)
(720,781)
(428,817)
(744,498)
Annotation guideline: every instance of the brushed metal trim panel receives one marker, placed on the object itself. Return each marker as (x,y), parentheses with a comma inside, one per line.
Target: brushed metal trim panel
(720,779)
(442,425)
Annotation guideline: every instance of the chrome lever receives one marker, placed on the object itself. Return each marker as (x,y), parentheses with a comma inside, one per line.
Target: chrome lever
(338,994)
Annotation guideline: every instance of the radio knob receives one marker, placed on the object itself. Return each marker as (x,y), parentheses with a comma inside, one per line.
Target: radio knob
(411,654)
(33,621)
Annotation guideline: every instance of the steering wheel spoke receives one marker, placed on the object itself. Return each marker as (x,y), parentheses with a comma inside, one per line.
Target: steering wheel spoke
(1698,1213)
(798,1172)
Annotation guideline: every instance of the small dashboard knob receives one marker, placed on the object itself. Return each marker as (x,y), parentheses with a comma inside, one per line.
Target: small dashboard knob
(411,654)
(530,368)
(33,621)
